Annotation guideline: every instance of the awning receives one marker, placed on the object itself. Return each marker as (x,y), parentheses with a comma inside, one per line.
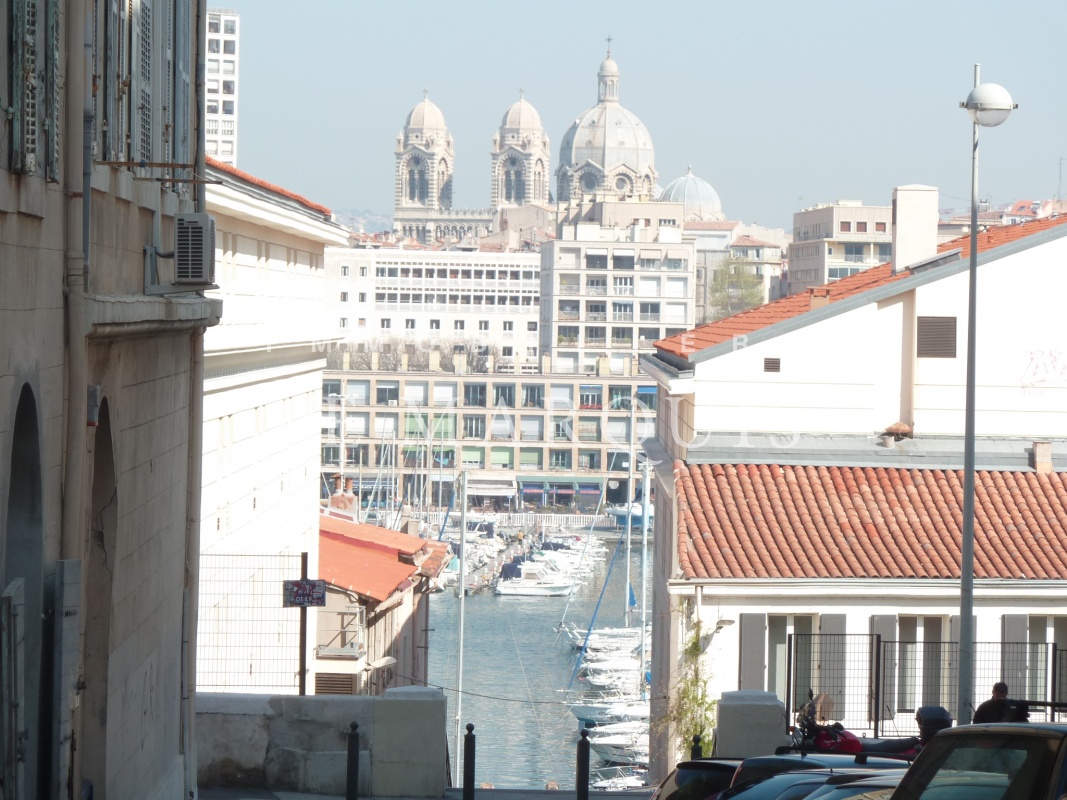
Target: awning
(532,487)
(588,488)
(490,488)
(677,253)
(561,488)
(654,255)
(619,251)
(596,251)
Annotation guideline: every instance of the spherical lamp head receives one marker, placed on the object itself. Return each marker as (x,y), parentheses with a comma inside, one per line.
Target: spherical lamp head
(989,104)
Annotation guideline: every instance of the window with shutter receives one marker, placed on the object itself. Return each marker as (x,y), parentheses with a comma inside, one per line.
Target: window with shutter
(936,337)
(25,90)
(144,83)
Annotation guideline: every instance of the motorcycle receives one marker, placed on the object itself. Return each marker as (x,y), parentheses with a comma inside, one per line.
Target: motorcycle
(809,735)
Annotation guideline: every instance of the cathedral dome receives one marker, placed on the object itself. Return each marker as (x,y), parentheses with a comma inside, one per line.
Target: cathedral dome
(426,116)
(522,116)
(700,199)
(607,148)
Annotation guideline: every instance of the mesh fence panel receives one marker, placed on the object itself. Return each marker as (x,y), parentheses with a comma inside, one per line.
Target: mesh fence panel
(246,640)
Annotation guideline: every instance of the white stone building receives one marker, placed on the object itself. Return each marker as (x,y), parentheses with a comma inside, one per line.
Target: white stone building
(263,374)
(834,240)
(809,476)
(223,84)
(101,370)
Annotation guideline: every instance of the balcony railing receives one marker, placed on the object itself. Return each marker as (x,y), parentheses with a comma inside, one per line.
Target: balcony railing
(623,291)
(622,342)
(855,258)
(591,342)
(568,315)
(570,290)
(621,316)
(596,316)
(650,317)
(567,341)
(594,290)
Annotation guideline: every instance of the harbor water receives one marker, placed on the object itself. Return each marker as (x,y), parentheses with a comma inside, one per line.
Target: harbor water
(516,668)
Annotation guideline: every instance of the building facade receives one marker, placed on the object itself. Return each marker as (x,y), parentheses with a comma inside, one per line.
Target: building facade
(223,83)
(101,372)
(394,298)
(845,470)
(618,277)
(536,440)
(835,240)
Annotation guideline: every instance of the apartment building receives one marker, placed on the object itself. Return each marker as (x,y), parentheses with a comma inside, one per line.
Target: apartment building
(468,298)
(546,439)
(617,278)
(223,58)
(834,240)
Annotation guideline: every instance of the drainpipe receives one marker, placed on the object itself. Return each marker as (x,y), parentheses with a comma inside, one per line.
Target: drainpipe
(76,187)
(196,447)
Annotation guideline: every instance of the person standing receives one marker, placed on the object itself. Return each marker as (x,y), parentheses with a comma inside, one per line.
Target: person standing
(995,708)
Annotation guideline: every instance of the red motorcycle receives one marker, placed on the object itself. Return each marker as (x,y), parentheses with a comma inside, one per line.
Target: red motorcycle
(809,735)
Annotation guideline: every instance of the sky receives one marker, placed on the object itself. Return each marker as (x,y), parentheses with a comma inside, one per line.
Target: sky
(779,105)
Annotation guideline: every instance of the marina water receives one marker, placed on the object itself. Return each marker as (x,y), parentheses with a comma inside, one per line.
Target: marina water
(515,667)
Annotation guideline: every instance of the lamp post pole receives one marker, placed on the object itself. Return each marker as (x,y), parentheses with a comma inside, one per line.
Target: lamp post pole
(989,105)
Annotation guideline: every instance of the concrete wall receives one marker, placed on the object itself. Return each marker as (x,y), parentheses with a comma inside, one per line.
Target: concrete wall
(300,743)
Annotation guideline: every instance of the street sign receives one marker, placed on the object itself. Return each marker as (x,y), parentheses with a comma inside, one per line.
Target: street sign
(303,593)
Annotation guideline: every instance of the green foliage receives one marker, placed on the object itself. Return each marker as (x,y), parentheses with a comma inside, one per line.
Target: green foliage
(691,711)
(733,288)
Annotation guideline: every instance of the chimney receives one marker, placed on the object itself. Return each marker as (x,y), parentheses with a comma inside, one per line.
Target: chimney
(914,225)
(818,296)
(337,483)
(348,485)
(346,361)
(435,360)
(1041,455)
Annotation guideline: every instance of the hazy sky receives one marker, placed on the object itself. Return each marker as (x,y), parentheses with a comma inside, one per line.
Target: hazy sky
(779,105)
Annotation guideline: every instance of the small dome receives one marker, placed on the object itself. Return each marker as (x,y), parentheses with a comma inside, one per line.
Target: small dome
(522,116)
(609,67)
(700,199)
(426,116)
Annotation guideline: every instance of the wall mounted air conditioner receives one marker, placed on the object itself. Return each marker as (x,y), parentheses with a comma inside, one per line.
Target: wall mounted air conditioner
(194,249)
(392,403)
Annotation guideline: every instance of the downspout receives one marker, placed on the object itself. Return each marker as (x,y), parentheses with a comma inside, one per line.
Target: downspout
(77,107)
(77,149)
(196,446)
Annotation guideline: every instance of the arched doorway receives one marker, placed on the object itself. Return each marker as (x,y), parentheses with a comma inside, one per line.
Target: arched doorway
(23,554)
(99,566)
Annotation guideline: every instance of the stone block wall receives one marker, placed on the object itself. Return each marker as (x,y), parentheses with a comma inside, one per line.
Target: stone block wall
(300,744)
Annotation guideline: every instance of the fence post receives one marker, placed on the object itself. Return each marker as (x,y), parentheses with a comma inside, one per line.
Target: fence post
(878,699)
(581,772)
(696,751)
(352,779)
(468,763)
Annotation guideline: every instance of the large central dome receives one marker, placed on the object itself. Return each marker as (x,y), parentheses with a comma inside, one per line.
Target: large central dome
(607,149)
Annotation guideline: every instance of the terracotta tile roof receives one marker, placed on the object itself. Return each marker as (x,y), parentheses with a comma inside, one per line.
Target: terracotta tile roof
(748,241)
(771,521)
(685,344)
(268,186)
(359,567)
(371,535)
(439,554)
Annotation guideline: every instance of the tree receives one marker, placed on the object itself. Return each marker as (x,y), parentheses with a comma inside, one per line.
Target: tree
(690,710)
(734,287)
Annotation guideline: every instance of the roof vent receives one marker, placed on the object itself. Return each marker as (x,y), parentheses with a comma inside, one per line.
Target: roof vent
(1041,456)
(194,249)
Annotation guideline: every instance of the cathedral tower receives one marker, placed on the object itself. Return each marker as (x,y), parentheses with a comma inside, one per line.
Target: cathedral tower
(520,158)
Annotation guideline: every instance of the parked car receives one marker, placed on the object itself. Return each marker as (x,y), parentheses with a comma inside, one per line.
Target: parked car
(758,768)
(1005,761)
(785,785)
(859,786)
(697,780)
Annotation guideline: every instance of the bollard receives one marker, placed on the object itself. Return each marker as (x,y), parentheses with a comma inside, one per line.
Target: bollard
(352,779)
(468,763)
(581,772)
(696,751)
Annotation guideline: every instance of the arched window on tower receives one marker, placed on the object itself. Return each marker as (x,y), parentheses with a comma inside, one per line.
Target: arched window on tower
(417,189)
(514,181)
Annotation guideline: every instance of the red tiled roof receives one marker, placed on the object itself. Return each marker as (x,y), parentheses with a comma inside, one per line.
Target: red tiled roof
(436,561)
(268,186)
(771,521)
(685,344)
(371,535)
(356,566)
(748,241)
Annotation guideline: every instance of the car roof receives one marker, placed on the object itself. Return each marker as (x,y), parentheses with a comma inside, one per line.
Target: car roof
(829,759)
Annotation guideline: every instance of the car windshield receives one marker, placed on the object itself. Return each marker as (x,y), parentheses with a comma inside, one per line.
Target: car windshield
(986,766)
(696,781)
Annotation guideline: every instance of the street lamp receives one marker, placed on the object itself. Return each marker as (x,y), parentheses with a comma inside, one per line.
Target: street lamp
(989,104)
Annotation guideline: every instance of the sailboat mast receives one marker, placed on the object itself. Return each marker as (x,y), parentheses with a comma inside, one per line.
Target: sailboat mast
(646,469)
(457,759)
(629,517)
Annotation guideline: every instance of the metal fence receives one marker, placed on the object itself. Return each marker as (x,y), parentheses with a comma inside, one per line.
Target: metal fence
(572,521)
(876,685)
(246,640)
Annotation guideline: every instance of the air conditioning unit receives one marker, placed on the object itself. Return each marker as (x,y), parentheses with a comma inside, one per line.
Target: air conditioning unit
(194,249)
(392,403)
